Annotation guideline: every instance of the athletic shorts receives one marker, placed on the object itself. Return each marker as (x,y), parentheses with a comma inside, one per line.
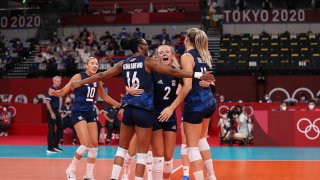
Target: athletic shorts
(77,116)
(196,117)
(137,116)
(170,125)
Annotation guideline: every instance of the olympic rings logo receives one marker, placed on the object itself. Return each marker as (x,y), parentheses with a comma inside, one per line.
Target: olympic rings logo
(109,18)
(293,97)
(11,109)
(308,128)
(247,108)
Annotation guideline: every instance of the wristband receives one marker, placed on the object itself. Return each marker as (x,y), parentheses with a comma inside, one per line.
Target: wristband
(197,75)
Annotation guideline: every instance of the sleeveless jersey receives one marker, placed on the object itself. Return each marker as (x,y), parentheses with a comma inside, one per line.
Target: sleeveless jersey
(134,73)
(165,88)
(199,98)
(84,95)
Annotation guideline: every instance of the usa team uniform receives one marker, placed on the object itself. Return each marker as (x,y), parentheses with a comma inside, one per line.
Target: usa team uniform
(84,100)
(140,109)
(200,102)
(165,88)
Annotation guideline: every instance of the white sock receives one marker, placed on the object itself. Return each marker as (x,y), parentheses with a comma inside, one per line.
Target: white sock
(198,175)
(186,170)
(209,167)
(74,163)
(116,169)
(90,167)
(138,178)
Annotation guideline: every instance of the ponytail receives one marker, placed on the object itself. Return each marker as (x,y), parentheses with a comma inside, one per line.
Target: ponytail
(201,44)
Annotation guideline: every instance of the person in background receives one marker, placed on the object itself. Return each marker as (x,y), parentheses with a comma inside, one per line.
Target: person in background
(312,105)
(283,106)
(267,98)
(5,121)
(54,119)
(66,119)
(112,121)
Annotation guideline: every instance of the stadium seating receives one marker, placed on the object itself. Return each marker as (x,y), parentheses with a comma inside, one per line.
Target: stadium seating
(284,53)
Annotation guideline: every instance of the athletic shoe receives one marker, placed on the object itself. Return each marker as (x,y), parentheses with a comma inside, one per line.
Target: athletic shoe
(51,151)
(88,178)
(58,149)
(71,174)
(185,178)
(5,134)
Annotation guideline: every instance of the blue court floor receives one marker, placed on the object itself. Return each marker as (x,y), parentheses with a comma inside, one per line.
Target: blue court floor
(218,153)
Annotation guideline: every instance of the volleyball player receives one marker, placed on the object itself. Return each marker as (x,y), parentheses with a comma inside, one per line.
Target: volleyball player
(199,103)
(138,115)
(83,117)
(164,130)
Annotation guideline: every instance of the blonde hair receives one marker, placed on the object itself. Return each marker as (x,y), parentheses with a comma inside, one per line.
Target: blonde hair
(175,63)
(199,40)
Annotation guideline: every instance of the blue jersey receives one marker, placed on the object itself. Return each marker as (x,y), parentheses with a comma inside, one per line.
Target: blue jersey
(165,88)
(134,73)
(199,98)
(84,95)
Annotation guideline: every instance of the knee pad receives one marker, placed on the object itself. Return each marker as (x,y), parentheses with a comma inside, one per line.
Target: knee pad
(168,167)
(93,152)
(203,144)
(184,149)
(194,154)
(157,165)
(121,152)
(82,150)
(142,158)
(128,159)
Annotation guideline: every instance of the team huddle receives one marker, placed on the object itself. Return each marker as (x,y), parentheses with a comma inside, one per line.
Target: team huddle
(155,87)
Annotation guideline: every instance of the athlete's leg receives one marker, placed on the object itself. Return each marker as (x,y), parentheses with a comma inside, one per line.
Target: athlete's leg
(83,134)
(129,157)
(93,150)
(184,154)
(157,152)
(143,142)
(192,132)
(126,134)
(205,149)
(169,145)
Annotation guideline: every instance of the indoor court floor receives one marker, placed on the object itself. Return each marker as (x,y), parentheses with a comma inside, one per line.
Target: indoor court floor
(230,163)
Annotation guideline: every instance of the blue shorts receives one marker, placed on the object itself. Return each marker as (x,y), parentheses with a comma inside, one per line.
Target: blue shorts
(77,116)
(196,117)
(170,125)
(211,111)
(137,116)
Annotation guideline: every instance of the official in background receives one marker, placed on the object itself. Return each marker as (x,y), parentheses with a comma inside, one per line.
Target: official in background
(54,119)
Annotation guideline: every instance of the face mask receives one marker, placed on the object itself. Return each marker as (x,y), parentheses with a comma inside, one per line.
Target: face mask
(4,109)
(284,108)
(311,107)
(224,116)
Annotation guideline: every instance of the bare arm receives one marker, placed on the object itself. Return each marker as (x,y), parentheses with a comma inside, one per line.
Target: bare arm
(160,68)
(105,97)
(187,64)
(66,89)
(115,70)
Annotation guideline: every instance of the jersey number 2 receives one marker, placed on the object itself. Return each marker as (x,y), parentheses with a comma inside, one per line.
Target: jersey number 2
(168,90)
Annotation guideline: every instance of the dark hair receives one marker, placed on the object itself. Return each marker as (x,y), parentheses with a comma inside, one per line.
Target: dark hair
(132,44)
